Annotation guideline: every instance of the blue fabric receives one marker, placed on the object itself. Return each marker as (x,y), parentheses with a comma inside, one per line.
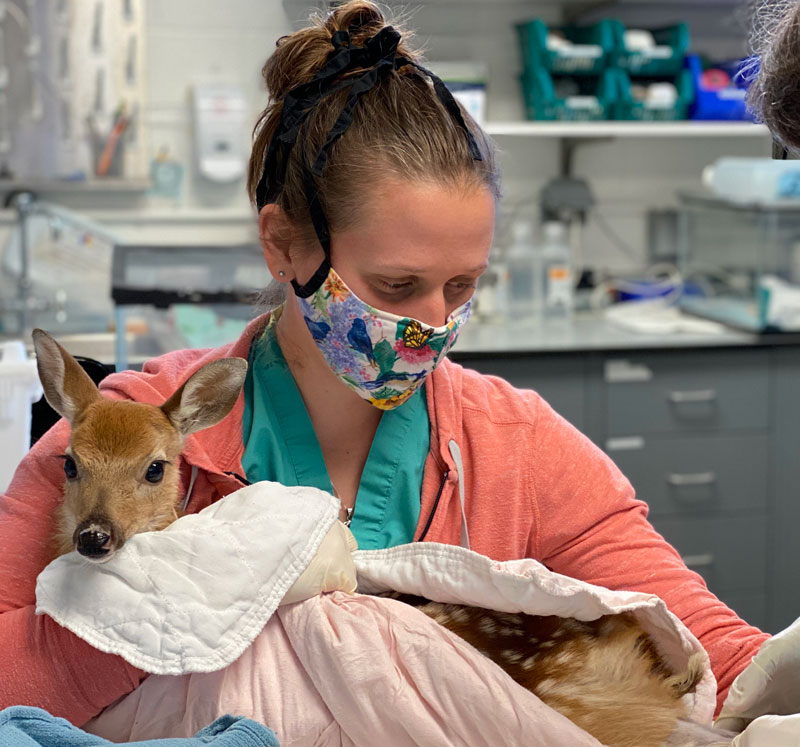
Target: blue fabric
(281,446)
(23,726)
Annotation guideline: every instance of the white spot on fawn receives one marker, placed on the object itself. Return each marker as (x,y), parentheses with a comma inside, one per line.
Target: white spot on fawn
(511,656)
(529,663)
(488,626)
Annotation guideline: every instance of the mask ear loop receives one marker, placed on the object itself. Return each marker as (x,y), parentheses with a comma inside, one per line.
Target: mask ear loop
(318,219)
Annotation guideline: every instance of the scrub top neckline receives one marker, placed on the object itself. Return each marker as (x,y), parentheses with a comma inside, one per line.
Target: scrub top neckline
(385,509)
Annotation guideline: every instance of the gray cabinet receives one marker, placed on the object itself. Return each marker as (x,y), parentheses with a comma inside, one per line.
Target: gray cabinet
(686,392)
(710,439)
(783,589)
(696,474)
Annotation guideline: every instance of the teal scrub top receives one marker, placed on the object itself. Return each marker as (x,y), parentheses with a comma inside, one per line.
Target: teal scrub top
(280,445)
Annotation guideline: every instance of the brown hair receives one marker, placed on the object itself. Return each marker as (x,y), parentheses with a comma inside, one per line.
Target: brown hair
(399,128)
(774,96)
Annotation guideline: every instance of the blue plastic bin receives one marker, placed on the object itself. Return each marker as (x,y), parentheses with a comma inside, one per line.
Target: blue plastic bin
(727,104)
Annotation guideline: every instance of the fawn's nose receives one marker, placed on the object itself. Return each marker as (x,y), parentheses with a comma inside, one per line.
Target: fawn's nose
(93,540)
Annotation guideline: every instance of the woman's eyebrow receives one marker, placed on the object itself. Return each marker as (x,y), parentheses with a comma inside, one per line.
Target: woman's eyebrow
(422,270)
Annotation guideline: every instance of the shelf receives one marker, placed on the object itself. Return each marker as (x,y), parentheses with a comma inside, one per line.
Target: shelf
(57,186)
(626,129)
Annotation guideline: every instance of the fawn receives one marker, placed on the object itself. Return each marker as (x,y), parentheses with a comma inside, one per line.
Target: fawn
(604,675)
(121,463)
(121,478)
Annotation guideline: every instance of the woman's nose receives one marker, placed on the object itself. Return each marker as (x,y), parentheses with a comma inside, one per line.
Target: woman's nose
(432,310)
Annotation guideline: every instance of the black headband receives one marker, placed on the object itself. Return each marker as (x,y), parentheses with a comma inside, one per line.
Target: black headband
(378,56)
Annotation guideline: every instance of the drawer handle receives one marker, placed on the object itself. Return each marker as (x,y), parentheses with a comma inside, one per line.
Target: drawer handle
(698,561)
(700,395)
(698,478)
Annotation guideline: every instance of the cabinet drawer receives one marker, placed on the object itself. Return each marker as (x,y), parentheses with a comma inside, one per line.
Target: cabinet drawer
(685,392)
(695,474)
(559,380)
(729,553)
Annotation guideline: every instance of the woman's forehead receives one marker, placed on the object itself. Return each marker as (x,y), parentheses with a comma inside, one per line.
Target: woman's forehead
(413,224)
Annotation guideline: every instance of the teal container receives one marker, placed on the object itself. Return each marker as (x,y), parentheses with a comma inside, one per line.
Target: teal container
(595,100)
(628,107)
(667,58)
(590,57)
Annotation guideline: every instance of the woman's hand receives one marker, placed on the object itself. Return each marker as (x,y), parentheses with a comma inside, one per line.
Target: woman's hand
(768,686)
(770,731)
(331,569)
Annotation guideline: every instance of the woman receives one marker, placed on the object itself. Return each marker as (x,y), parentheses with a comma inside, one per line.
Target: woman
(376,198)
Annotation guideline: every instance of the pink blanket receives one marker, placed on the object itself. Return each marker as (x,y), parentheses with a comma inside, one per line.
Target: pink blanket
(349,670)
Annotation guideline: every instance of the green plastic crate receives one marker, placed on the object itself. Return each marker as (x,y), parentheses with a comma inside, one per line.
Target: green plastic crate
(590,58)
(594,102)
(672,44)
(627,107)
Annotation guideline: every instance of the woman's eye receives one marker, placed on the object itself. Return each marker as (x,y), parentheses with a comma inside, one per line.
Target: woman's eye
(155,472)
(461,287)
(393,287)
(70,468)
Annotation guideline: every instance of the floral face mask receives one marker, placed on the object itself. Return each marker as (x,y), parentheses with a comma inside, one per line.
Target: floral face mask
(382,357)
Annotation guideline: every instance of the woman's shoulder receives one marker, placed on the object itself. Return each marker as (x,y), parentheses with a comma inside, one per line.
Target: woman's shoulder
(494,397)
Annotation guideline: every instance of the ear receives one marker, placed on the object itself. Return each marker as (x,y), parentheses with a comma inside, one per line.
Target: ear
(67,387)
(207,396)
(275,234)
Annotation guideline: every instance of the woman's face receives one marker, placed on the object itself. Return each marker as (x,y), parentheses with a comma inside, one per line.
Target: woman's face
(418,249)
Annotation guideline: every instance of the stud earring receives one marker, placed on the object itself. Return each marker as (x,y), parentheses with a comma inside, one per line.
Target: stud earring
(281,273)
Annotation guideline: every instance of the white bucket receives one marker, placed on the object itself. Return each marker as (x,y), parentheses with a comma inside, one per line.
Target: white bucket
(19,389)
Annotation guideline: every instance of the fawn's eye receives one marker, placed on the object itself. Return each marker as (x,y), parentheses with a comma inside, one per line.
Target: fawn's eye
(70,468)
(155,472)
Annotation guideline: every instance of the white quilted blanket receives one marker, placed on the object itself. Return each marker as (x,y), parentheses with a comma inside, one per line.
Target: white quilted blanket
(192,597)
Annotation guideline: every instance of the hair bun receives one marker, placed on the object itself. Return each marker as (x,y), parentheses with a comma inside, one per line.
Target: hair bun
(300,55)
(359,17)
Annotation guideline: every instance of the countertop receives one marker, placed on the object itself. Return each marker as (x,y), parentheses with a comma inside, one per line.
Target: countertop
(592,332)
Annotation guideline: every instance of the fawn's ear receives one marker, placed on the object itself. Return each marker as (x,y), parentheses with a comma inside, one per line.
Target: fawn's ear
(67,387)
(207,396)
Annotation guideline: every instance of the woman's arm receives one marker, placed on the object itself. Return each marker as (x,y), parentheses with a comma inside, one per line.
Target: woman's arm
(592,527)
(41,663)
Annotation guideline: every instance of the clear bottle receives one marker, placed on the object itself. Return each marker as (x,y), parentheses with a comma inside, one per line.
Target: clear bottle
(753,179)
(491,296)
(521,267)
(555,281)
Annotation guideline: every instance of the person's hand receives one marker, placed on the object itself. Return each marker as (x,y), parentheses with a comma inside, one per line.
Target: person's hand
(770,731)
(331,569)
(769,685)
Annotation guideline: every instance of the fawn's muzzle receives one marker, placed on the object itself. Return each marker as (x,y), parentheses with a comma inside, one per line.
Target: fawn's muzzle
(93,539)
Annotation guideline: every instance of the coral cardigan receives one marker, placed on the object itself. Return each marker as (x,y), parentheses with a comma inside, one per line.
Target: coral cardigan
(532,486)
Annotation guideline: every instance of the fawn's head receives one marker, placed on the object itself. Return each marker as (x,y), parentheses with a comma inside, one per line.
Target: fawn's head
(121,463)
